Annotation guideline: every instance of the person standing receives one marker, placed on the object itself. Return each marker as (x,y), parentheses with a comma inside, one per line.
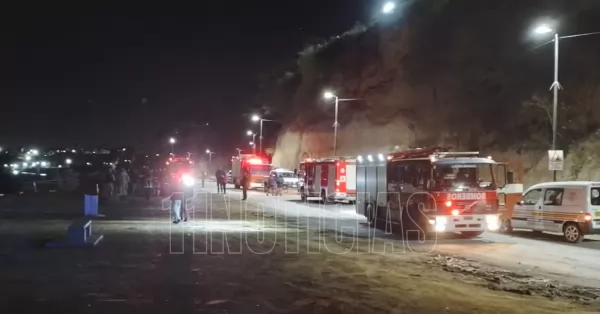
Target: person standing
(245,183)
(223,181)
(123,183)
(217,176)
(176,203)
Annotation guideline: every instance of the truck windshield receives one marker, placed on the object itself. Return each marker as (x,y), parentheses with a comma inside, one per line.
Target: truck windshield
(461,176)
(260,169)
(286,174)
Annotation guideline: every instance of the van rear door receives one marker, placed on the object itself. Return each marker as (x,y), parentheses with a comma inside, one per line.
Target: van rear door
(595,205)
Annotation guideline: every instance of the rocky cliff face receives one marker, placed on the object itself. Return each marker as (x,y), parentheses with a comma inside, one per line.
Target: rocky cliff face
(457,73)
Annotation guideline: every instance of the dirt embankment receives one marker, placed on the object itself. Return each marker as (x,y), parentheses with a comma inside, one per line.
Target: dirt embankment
(437,77)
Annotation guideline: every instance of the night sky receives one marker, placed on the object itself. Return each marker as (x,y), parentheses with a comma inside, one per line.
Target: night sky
(120,78)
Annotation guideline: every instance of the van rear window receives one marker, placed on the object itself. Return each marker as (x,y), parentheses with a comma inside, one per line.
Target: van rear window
(595,196)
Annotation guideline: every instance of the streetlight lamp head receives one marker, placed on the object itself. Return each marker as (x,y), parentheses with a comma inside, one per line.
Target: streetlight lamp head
(249,132)
(328,95)
(251,143)
(388,7)
(208,151)
(542,29)
(255,118)
(172,140)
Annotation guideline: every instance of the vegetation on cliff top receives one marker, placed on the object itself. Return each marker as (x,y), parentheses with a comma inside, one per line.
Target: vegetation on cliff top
(463,71)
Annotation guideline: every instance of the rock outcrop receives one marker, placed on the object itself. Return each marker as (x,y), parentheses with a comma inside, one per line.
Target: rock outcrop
(456,73)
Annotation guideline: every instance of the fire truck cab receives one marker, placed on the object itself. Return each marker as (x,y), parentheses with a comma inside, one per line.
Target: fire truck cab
(432,190)
(328,179)
(258,167)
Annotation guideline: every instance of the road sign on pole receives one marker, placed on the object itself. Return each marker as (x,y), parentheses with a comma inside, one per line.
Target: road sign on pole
(556,160)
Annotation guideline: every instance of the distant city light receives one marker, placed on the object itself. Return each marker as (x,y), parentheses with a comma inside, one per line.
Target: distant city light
(255,118)
(68,161)
(15,172)
(28,158)
(44,164)
(124,149)
(24,165)
(35,152)
(157,155)
(73,151)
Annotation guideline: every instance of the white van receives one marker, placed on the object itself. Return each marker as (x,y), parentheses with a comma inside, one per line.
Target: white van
(571,208)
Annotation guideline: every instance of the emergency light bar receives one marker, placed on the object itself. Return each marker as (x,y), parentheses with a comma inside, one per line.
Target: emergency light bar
(255,161)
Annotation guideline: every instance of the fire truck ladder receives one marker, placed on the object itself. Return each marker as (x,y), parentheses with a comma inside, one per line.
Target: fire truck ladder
(438,152)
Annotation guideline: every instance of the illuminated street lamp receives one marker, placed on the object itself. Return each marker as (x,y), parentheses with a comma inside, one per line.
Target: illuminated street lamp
(68,161)
(209,153)
(329,95)
(542,30)
(257,118)
(250,133)
(172,141)
(388,7)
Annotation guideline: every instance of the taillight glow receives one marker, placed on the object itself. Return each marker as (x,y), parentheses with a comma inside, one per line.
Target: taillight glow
(255,161)
(587,217)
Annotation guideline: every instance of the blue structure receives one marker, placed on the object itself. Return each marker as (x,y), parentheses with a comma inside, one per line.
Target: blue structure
(79,234)
(90,205)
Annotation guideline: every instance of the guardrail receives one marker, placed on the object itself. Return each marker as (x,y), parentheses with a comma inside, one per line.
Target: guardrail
(40,186)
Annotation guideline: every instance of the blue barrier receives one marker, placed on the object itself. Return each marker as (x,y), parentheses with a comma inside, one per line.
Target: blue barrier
(79,234)
(90,205)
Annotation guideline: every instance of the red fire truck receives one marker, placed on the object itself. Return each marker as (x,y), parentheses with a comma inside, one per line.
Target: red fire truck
(431,190)
(258,167)
(328,179)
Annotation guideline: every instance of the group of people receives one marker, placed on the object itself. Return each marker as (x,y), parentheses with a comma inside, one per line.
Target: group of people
(275,184)
(221,177)
(115,182)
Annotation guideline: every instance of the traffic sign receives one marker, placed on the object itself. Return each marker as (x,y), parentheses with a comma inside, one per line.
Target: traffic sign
(556,160)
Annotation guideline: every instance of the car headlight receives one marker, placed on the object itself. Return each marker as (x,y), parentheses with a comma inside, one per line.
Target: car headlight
(187,180)
(493,222)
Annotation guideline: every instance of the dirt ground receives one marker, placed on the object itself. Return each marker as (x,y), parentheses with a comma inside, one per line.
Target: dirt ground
(242,264)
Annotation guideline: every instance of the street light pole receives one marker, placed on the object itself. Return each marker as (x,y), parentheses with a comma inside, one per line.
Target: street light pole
(555,86)
(543,29)
(335,126)
(329,95)
(260,138)
(210,153)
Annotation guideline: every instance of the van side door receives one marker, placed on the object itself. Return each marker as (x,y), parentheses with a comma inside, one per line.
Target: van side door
(524,213)
(552,214)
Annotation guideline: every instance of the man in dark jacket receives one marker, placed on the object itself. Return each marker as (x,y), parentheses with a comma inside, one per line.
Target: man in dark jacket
(217,176)
(245,183)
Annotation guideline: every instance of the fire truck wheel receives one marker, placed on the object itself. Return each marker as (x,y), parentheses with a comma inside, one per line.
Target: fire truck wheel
(471,234)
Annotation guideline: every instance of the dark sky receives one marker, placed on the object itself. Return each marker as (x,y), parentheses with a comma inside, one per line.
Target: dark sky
(119,78)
